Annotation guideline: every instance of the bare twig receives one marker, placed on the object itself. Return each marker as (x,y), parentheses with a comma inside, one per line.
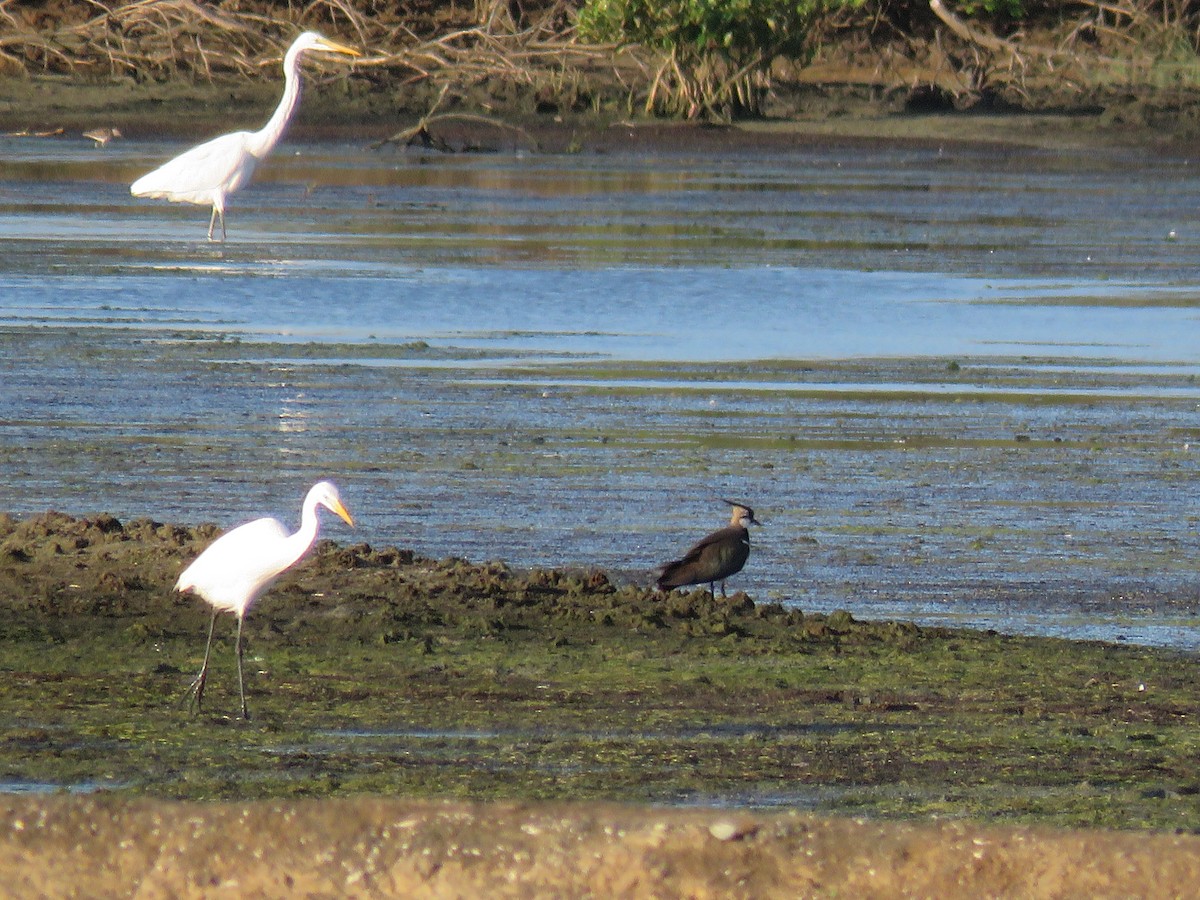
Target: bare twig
(422,130)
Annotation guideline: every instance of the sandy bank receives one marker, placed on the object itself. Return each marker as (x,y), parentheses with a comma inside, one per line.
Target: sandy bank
(55,846)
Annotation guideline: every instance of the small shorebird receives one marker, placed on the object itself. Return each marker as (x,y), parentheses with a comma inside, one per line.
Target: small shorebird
(721,554)
(240,565)
(103,135)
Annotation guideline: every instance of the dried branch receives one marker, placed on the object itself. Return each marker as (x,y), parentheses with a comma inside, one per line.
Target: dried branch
(985,40)
(966,32)
(422,131)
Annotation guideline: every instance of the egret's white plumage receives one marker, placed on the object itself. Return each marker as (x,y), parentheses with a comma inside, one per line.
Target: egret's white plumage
(209,173)
(238,568)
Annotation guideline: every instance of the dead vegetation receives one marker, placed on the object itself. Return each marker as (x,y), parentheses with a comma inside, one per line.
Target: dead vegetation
(158,40)
(1067,57)
(926,48)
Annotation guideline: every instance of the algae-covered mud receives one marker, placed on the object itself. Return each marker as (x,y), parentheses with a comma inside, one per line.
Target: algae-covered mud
(372,670)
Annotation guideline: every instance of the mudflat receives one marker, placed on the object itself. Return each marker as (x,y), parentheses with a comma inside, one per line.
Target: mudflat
(441,728)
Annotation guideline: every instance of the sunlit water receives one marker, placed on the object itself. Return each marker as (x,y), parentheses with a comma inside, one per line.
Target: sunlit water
(958,384)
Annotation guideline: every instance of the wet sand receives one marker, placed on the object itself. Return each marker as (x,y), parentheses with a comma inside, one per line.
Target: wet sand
(387,847)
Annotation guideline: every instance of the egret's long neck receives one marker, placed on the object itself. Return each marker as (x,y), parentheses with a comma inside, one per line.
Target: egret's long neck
(299,543)
(264,140)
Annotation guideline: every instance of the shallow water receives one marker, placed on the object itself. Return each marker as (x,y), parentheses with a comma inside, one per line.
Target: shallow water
(958,384)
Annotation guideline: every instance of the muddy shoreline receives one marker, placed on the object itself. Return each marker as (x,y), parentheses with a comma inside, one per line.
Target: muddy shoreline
(444,726)
(806,114)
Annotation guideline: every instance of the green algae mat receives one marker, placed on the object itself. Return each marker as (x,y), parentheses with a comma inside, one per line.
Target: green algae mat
(374,671)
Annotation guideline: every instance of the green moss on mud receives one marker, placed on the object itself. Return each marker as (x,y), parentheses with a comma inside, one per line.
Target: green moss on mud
(375,671)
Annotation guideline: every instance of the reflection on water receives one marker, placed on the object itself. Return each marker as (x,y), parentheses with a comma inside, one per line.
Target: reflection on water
(41,787)
(959,383)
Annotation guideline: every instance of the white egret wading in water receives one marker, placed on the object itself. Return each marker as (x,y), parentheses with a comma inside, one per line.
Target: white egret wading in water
(214,170)
(240,565)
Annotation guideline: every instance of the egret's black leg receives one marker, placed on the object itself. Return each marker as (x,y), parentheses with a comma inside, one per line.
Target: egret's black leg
(196,688)
(241,688)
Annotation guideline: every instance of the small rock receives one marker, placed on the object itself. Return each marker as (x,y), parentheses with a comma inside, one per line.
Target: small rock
(727,830)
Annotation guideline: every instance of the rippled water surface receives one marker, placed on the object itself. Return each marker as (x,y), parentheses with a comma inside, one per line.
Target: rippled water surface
(958,383)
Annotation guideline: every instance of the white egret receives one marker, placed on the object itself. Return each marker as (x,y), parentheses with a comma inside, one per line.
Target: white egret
(716,557)
(212,171)
(240,565)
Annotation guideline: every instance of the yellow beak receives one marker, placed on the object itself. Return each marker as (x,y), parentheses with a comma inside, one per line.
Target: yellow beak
(334,47)
(344,513)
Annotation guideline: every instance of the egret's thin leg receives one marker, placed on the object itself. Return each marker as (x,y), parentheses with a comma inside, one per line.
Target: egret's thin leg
(241,689)
(212,222)
(196,689)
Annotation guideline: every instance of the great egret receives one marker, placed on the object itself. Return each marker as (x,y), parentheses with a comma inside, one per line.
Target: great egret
(716,557)
(214,170)
(240,565)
